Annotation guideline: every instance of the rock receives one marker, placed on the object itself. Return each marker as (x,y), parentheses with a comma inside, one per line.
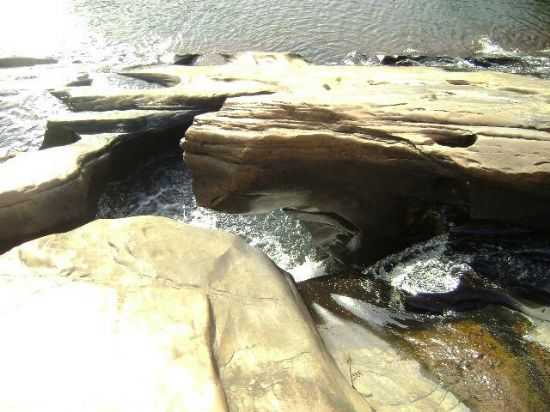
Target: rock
(372,158)
(495,60)
(149,314)
(82,80)
(490,360)
(15,61)
(485,363)
(204,87)
(58,188)
(128,121)
(385,374)
(384,152)
(208,59)
(185,59)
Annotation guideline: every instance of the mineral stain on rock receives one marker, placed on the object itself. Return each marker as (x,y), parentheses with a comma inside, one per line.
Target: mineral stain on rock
(484,361)
(468,340)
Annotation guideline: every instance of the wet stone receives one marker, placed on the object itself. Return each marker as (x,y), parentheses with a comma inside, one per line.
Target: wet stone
(469,339)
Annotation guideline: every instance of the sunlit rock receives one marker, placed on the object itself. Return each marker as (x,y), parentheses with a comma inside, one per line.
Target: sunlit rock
(58,188)
(371,158)
(146,314)
(379,157)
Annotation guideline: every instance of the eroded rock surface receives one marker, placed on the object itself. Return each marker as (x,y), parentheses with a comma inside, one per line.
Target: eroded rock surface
(371,158)
(148,314)
(375,155)
(58,188)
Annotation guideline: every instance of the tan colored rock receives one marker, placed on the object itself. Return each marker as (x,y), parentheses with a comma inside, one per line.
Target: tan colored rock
(379,150)
(367,156)
(51,190)
(147,314)
(58,188)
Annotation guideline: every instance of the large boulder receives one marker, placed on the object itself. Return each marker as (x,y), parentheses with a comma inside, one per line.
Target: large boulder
(147,314)
(375,158)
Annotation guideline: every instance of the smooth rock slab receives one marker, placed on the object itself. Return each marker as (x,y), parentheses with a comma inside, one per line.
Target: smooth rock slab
(390,379)
(147,314)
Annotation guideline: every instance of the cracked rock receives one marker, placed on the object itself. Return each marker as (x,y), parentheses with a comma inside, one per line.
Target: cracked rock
(147,314)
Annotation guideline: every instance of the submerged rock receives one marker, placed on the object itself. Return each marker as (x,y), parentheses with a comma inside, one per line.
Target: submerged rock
(387,375)
(485,361)
(148,314)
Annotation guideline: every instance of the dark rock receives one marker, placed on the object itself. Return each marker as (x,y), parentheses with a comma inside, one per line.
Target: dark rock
(8,62)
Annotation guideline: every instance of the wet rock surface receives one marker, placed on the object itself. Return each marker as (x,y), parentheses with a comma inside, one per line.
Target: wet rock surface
(489,354)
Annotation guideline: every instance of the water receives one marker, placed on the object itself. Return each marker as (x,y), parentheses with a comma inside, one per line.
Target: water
(322,30)
(163,187)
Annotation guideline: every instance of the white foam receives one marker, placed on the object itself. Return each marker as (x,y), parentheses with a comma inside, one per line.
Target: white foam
(488,46)
(423,268)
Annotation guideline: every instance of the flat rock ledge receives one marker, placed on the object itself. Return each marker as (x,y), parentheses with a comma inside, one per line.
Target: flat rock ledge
(147,314)
(375,158)
(110,132)
(57,188)
(371,158)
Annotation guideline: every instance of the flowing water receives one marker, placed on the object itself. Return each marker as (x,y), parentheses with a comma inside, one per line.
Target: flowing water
(323,30)
(98,37)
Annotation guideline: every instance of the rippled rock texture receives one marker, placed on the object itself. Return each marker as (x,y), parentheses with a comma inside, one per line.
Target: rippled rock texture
(146,314)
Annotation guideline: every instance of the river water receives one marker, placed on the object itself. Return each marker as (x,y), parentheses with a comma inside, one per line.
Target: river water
(322,30)
(98,37)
